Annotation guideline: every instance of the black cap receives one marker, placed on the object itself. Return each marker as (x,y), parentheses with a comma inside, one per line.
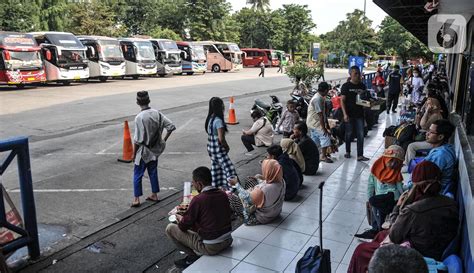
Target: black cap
(143,98)
(323,86)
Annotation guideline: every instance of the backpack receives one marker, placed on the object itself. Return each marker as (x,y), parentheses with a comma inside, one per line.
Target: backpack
(405,132)
(390,131)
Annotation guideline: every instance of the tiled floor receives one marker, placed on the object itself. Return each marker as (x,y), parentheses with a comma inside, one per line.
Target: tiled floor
(277,247)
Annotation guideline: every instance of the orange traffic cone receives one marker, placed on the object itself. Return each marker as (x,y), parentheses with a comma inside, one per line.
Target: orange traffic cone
(127,145)
(232,118)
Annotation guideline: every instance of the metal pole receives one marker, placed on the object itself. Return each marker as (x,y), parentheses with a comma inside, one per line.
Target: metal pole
(365,2)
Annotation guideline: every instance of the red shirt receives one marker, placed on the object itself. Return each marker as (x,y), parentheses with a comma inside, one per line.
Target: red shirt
(208,214)
(336,102)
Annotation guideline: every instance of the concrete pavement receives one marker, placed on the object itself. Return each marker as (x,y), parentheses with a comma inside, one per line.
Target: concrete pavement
(80,188)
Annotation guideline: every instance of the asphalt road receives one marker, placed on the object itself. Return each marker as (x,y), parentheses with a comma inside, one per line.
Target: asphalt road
(76,136)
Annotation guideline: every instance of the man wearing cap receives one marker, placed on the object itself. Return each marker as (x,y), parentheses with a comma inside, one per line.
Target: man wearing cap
(318,123)
(148,146)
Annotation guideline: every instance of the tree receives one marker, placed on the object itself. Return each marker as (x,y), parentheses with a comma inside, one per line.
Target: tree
(206,19)
(164,33)
(261,5)
(297,24)
(172,15)
(52,14)
(260,29)
(396,40)
(93,18)
(354,35)
(140,16)
(17,16)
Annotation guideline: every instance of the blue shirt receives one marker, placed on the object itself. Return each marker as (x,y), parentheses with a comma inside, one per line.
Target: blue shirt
(445,158)
(217,124)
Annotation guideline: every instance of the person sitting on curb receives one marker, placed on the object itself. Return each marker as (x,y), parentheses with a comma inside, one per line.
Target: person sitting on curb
(261,133)
(318,124)
(205,228)
(384,188)
(262,203)
(290,147)
(290,173)
(308,148)
(288,119)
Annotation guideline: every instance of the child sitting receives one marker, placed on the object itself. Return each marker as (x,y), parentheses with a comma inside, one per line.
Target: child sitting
(288,119)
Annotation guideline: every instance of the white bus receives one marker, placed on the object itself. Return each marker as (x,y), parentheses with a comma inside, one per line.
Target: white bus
(139,57)
(64,56)
(105,57)
(168,59)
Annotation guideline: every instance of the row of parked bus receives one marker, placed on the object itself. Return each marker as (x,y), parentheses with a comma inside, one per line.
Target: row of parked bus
(63,57)
(252,57)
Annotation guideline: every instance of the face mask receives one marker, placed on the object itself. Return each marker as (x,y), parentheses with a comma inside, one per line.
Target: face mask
(415,74)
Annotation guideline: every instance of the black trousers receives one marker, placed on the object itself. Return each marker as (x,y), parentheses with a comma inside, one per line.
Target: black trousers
(392,101)
(262,73)
(248,141)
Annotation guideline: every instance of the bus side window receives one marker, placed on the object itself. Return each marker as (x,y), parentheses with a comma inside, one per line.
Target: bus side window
(212,49)
(128,52)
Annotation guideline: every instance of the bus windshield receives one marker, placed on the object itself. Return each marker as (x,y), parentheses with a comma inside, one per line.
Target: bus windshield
(72,57)
(172,58)
(110,50)
(198,53)
(64,39)
(24,60)
(168,45)
(145,51)
(274,55)
(234,47)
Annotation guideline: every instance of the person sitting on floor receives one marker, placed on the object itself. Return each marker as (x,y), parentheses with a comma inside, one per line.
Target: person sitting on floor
(307,147)
(261,133)
(290,147)
(384,188)
(205,228)
(431,112)
(262,203)
(396,259)
(290,173)
(427,221)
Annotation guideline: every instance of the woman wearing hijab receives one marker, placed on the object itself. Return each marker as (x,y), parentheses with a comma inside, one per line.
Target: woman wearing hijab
(262,203)
(217,147)
(290,147)
(384,188)
(427,220)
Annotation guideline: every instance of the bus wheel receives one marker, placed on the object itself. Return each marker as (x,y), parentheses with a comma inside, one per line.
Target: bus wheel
(225,71)
(189,73)
(216,68)
(66,83)
(162,75)
(20,86)
(135,77)
(103,79)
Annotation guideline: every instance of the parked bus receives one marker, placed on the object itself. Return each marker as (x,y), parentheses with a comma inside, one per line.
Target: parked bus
(105,57)
(168,58)
(254,56)
(272,57)
(20,59)
(222,56)
(64,56)
(193,58)
(139,57)
(283,57)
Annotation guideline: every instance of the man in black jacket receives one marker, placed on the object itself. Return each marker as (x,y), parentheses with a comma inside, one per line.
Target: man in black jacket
(395,86)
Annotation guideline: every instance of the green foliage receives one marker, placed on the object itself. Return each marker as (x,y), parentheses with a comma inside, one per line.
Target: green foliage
(354,35)
(171,14)
(395,40)
(140,16)
(165,33)
(52,15)
(302,72)
(261,5)
(17,16)
(297,25)
(207,19)
(93,18)
(260,29)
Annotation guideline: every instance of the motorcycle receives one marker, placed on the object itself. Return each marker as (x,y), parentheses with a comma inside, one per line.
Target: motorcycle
(272,112)
(301,96)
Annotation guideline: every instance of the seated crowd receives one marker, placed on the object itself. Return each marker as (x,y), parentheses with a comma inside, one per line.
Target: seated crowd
(415,218)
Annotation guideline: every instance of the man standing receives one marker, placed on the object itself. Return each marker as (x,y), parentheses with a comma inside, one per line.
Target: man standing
(395,86)
(262,69)
(353,113)
(148,146)
(205,228)
(280,65)
(318,123)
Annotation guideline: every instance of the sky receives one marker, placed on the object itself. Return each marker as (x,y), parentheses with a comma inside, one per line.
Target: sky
(326,14)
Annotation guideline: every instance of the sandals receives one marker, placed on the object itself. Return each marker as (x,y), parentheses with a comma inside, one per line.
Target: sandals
(152,200)
(327,160)
(362,158)
(347,155)
(135,205)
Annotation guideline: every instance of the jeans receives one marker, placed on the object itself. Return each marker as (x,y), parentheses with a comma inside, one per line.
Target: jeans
(248,141)
(139,171)
(356,124)
(392,101)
